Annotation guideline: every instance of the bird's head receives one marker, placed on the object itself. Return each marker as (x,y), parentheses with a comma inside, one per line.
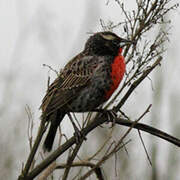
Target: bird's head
(105,43)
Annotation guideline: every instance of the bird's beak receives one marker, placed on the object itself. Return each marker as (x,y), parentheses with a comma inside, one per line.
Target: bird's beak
(125,42)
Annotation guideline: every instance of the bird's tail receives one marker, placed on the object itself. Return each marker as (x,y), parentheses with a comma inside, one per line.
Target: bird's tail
(48,143)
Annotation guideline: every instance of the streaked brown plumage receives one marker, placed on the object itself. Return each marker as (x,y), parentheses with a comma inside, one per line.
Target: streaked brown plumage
(70,81)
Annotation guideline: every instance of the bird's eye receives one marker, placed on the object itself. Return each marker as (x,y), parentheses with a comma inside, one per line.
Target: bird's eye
(108,37)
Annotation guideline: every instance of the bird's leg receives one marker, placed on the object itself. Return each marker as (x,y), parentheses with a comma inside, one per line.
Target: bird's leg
(111,115)
(78,134)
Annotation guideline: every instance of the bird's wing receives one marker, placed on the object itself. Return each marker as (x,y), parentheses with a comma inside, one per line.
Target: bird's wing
(71,80)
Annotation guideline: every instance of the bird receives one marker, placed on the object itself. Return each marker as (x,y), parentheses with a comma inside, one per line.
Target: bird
(87,81)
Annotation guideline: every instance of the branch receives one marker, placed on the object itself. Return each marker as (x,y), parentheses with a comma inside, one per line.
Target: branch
(47,171)
(98,121)
(114,150)
(71,159)
(33,151)
(150,130)
(97,170)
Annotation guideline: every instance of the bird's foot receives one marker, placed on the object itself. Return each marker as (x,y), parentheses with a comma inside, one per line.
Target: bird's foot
(111,115)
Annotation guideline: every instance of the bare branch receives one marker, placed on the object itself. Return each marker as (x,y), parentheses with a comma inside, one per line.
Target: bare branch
(92,126)
(149,159)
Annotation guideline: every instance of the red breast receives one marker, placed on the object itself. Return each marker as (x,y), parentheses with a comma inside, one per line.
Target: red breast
(118,69)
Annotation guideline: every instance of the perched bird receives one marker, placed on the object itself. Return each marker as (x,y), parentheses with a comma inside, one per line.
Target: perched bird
(87,81)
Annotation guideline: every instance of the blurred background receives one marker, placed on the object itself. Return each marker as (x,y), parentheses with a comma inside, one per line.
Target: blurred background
(36,32)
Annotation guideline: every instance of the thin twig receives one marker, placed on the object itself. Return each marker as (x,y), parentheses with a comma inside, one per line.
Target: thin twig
(33,151)
(102,146)
(48,171)
(116,148)
(71,159)
(52,69)
(149,159)
(83,164)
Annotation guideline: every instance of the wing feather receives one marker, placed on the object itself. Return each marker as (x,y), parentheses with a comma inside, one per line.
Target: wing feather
(75,76)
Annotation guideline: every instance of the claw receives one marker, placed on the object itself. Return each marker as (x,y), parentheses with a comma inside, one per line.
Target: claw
(111,115)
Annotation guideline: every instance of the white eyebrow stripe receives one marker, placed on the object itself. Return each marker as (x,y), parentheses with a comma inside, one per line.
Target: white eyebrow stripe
(108,36)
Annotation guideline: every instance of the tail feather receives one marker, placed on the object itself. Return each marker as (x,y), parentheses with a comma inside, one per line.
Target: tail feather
(48,143)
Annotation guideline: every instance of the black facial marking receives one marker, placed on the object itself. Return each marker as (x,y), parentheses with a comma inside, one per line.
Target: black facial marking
(103,43)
